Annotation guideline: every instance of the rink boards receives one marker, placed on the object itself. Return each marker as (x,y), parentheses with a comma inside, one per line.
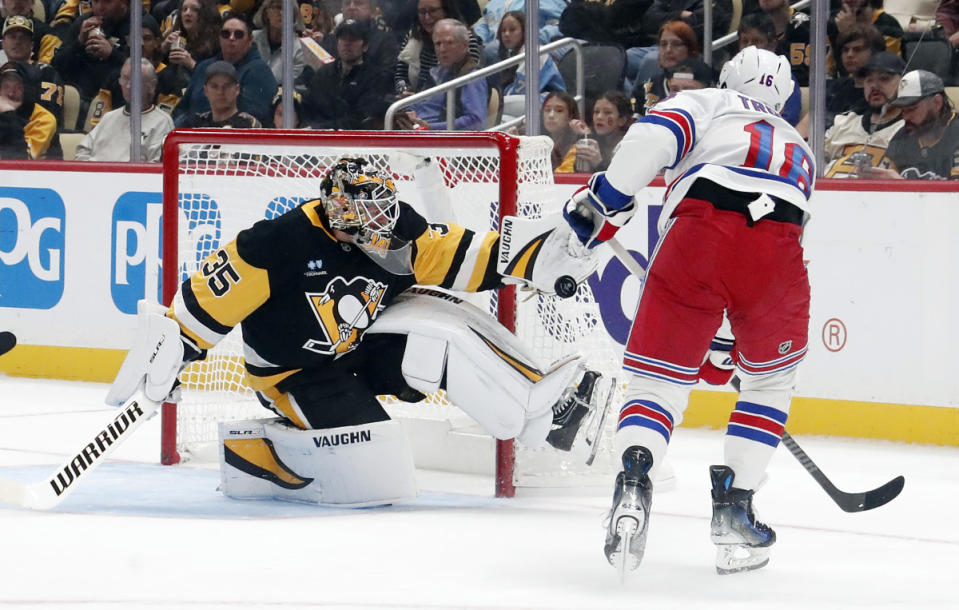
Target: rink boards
(79,246)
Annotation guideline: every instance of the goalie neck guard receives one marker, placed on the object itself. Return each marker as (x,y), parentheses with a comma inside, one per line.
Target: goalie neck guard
(362,203)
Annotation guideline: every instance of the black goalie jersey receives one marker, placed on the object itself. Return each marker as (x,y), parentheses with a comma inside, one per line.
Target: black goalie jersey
(303,298)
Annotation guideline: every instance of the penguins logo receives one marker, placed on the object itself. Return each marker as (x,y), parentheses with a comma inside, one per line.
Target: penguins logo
(344,311)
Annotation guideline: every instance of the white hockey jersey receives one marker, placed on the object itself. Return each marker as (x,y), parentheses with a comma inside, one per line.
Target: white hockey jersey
(720,135)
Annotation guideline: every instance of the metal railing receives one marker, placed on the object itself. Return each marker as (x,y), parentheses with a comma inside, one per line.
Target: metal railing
(451,86)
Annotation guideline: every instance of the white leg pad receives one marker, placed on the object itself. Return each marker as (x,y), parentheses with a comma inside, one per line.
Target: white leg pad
(489,373)
(351,466)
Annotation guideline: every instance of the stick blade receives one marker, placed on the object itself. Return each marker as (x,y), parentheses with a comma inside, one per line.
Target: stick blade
(879,496)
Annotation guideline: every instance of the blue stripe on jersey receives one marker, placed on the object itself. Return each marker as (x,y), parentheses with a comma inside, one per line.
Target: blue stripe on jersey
(764,411)
(766,176)
(760,436)
(673,127)
(651,375)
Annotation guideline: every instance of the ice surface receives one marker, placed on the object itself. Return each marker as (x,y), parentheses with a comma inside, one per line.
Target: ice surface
(138,535)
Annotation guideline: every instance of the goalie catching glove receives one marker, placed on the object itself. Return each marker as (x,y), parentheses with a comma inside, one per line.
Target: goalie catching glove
(540,252)
(596,211)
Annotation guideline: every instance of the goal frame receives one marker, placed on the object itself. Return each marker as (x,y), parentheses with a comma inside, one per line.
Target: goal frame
(508,189)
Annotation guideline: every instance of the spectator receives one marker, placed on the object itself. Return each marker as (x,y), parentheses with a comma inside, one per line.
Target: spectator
(451,41)
(401,15)
(758,30)
(691,73)
(317,19)
(94,49)
(417,55)
(677,41)
(297,110)
(857,141)
(45,42)
(688,11)
(193,36)
(269,38)
(867,12)
(110,139)
(512,82)
(18,35)
(560,117)
(257,85)
(222,90)
(619,22)
(611,118)
(26,128)
(382,48)
(350,92)
(927,146)
(792,29)
(549,13)
(947,15)
(856,45)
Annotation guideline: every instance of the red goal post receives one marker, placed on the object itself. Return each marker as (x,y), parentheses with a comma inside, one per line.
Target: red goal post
(219,181)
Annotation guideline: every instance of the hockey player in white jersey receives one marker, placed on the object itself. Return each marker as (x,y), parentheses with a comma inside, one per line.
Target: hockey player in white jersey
(738,178)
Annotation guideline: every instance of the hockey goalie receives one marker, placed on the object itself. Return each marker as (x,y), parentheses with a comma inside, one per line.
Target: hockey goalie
(330,319)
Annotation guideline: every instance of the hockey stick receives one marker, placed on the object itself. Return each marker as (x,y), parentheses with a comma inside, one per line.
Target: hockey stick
(849,502)
(52,490)
(7,341)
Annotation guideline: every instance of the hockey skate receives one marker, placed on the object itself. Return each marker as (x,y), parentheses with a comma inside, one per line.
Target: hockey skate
(629,516)
(571,411)
(742,541)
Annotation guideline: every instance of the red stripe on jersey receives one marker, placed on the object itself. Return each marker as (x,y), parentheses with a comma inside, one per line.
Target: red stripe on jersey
(660,370)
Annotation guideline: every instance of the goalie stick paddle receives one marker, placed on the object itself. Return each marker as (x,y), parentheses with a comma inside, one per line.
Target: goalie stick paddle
(7,341)
(52,490)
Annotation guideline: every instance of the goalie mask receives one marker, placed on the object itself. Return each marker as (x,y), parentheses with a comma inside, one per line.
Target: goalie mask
(362,203)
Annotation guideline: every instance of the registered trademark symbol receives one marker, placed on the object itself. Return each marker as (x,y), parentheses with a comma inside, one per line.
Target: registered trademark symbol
(834,334)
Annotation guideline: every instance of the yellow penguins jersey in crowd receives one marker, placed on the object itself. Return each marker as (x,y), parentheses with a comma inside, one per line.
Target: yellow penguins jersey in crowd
(303,298)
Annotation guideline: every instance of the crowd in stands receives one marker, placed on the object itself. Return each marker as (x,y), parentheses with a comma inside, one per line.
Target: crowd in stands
(64,69)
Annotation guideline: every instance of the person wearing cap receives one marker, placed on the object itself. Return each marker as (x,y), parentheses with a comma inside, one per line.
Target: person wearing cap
(18,35)
(381,47)
(222,90)
(858,140)
(927,146)
(297,122)
(257,85)
(45,42)
(26,128)
(268,37)
(110,139)
(349,92)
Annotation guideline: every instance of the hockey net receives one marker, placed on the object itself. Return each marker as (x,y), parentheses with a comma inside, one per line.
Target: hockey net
(218,182)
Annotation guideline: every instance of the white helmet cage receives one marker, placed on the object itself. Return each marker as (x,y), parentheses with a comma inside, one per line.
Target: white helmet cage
(759,74)
(360,202)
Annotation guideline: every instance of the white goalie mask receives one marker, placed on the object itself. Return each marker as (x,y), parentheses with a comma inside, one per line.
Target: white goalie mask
(761,75)
(362,203)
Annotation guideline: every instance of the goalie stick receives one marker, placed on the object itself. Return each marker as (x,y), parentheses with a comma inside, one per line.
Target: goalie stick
(7,341)
(851,502)
(53,489)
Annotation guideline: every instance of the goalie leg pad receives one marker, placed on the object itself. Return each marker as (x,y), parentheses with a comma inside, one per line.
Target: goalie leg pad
(489,374)
(352,466)
(154,360)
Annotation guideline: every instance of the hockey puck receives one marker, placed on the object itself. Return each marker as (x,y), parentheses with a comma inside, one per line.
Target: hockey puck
(7,341)
(565,286)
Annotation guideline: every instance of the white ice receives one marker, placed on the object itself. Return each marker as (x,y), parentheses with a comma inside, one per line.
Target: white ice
(140,535)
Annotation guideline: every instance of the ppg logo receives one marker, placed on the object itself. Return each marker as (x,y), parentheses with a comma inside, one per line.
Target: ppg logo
(136,255)
(32,225)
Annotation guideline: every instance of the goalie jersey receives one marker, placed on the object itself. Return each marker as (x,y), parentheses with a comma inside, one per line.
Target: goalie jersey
(718,134)
(303,298)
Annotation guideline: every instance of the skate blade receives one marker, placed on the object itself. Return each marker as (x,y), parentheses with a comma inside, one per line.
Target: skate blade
(594,428)
(735,558)
(621,558)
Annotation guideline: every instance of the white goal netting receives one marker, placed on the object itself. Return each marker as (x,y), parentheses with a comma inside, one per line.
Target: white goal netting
(222,183)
